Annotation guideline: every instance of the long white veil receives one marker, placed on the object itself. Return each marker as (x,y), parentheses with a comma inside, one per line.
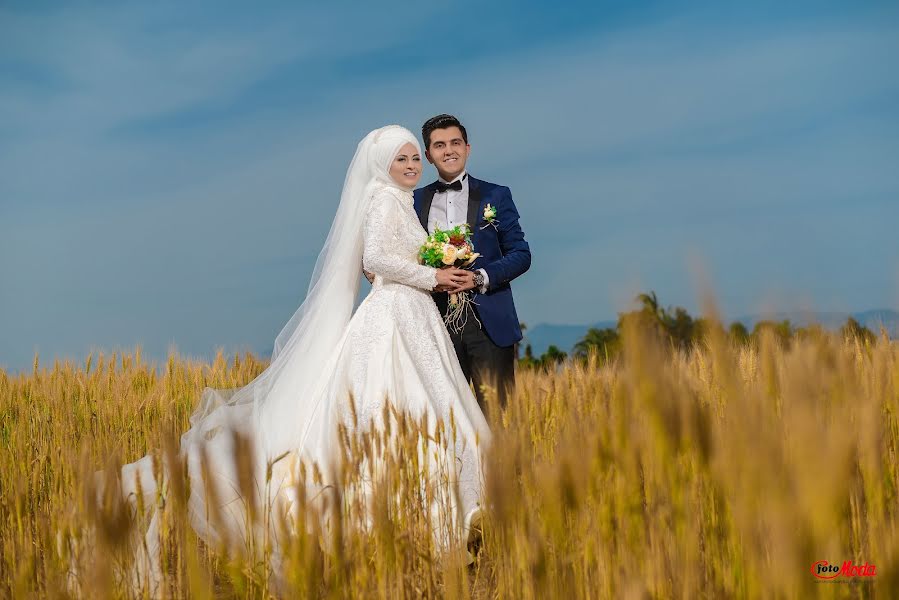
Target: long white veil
(281,396)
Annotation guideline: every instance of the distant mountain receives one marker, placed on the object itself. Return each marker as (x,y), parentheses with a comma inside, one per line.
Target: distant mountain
(564,337)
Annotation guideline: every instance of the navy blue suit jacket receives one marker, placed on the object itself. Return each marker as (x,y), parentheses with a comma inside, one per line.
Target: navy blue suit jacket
(504,255)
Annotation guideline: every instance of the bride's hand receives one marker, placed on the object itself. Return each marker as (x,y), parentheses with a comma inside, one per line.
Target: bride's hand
(449,279)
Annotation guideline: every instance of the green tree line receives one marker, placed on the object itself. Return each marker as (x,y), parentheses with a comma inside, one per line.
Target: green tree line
(677,329)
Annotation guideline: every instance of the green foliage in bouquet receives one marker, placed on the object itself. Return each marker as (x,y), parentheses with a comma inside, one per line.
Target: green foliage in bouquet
(447,247)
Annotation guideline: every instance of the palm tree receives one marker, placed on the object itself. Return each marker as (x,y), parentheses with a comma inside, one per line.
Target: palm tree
(603,341)
(854,329)
(552,357)
(650,304)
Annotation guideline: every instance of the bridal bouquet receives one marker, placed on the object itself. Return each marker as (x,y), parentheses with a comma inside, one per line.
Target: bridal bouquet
(451,248)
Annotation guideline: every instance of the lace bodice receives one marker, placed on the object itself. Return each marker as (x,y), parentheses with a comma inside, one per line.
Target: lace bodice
(392,237)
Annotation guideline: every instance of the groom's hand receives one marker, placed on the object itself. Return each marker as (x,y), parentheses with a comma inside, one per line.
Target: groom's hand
(450,279)
(466,284)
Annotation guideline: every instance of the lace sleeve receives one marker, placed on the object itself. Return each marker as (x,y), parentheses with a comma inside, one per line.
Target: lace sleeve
(380,254)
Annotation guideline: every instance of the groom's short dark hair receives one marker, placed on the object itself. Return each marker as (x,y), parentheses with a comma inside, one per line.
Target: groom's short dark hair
(441,122)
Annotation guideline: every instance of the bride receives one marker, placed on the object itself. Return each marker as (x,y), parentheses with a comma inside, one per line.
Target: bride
(332,367)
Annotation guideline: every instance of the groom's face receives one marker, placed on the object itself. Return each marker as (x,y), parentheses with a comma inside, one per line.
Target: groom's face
(448,152)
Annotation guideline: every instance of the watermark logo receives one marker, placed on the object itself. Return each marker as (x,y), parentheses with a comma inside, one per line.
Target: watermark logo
(825,570)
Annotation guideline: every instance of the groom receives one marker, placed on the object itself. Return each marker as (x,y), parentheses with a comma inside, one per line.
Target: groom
(486,352)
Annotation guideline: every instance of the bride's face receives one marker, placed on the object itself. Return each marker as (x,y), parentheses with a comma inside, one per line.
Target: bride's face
(406,166)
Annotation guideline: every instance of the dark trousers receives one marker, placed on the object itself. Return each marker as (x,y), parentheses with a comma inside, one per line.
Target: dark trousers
(484,363)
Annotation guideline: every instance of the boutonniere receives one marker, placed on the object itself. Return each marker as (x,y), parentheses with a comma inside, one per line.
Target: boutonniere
(490,217)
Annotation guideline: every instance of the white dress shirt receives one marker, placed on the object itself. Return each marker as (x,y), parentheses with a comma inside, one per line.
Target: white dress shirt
(450,208)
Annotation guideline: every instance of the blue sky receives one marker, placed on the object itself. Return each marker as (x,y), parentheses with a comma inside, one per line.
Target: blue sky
(168,173)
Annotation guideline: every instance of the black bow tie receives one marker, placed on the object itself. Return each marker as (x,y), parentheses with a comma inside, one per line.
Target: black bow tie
(442,187)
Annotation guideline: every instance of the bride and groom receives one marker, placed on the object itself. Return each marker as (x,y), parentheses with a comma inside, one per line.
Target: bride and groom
(335,367)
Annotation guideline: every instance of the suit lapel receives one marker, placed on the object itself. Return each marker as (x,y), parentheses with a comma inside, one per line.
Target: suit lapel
(474,203)
(427,196)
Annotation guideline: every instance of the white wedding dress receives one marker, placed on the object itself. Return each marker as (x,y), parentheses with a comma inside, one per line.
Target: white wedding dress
(394,348)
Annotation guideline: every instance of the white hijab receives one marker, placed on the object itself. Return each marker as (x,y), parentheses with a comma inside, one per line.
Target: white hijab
(282,395)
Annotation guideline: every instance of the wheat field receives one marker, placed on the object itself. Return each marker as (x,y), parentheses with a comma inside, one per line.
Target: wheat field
(722,472)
